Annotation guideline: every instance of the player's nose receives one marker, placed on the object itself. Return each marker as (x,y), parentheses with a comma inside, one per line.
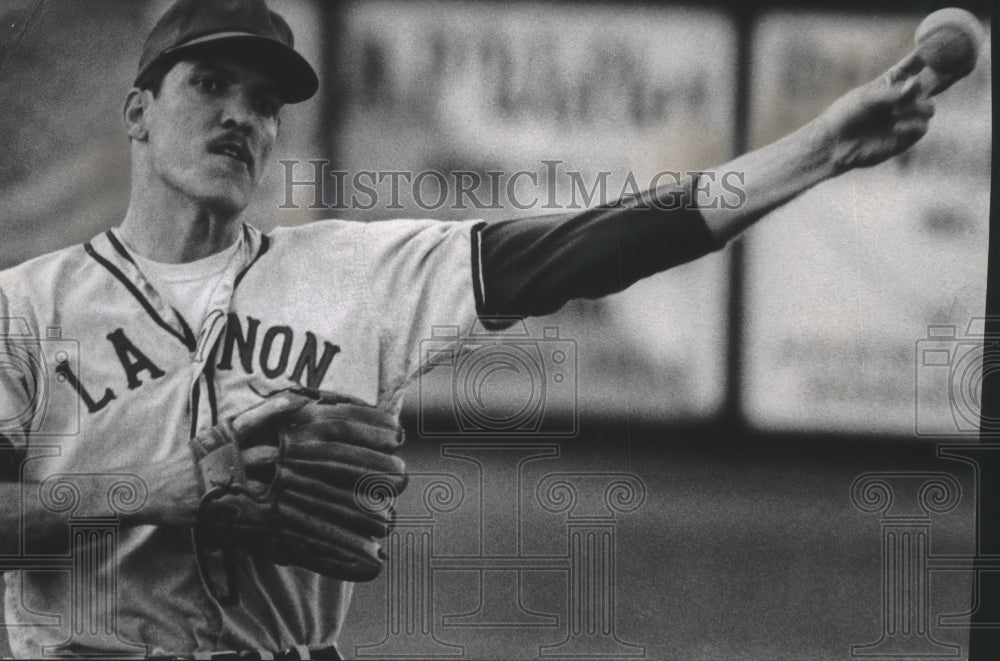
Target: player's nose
(237,112)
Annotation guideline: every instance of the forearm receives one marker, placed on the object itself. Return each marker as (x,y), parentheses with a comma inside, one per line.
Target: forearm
(34,520)
(769,176)
(533,266)
(866,126)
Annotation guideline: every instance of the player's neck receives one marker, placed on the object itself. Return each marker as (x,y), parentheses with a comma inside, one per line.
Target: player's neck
(175,231)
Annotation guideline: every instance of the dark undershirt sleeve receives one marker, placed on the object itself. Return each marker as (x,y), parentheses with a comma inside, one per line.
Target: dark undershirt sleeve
(533,266)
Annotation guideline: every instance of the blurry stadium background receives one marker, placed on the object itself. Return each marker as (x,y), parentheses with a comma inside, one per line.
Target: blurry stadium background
(746,390)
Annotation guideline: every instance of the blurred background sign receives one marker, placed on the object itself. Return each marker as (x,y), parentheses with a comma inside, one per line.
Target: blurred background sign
(849,285)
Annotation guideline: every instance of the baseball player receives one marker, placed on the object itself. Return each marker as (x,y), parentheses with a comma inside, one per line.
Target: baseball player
(244,383)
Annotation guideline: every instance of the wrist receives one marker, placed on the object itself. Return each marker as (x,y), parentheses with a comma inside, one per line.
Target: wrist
(171,494)
(156,494)
(817,154)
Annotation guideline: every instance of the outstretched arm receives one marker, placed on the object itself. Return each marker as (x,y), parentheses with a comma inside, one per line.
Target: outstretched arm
(864,127)
(533,266)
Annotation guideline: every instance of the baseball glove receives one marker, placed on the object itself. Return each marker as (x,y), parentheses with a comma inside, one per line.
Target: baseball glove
(279,481)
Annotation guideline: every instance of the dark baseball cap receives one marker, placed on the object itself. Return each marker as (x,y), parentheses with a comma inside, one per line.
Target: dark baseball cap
(247,27)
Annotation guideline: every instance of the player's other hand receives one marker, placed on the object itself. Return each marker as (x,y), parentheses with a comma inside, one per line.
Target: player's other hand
(285,480)
(876,121)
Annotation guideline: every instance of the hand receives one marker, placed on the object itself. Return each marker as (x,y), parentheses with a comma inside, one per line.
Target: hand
(280,481)
(876,121)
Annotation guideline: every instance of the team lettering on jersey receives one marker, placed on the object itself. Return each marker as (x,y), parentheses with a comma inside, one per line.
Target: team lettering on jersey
(267,351)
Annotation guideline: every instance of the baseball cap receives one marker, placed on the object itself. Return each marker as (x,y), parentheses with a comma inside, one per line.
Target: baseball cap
(245,26)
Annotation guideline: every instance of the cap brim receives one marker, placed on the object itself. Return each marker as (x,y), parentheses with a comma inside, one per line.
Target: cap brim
(296,79)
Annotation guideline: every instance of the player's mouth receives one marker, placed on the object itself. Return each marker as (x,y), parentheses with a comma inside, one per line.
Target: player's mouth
(234,149)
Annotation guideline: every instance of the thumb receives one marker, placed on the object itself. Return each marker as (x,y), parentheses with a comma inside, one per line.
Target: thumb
(267,412)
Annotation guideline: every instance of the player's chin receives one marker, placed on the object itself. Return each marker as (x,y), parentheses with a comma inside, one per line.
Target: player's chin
(227,195)
(225,204)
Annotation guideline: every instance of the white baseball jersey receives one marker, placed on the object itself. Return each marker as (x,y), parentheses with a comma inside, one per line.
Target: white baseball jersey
(340,306)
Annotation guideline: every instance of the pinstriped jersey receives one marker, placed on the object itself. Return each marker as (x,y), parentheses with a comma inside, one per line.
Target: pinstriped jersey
(125,380)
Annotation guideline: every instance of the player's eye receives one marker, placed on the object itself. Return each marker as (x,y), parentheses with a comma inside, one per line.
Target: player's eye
(209,84)
(268,105)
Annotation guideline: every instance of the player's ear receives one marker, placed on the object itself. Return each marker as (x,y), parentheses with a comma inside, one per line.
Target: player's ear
(134,113)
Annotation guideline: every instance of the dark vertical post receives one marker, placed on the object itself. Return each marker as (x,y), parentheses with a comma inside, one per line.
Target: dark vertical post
(332,101)
(984,637)
(744,16)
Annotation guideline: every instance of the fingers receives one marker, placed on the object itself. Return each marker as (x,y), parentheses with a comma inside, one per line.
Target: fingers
(910,91)
(324,512)
(903,92)
(901,83)
(327,396)
(328,408)
(341,463)
(299,407)
(912,113)
(268,412)
(911,104)
(336,553)
(908,67)
(908,132)
(910,109)
(259,455)
(346,430)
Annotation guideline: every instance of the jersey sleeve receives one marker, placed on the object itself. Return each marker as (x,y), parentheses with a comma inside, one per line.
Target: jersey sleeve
(533,266)
(420,286)
(433,280)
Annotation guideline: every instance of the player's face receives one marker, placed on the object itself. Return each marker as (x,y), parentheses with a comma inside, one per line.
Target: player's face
(211,130)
